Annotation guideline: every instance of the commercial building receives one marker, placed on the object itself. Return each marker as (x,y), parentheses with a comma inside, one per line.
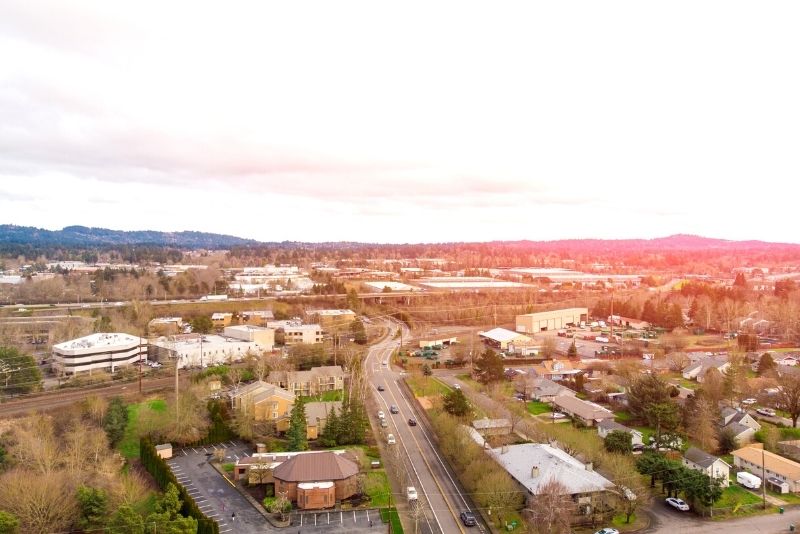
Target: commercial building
(379,286)
(500,338)
(98,351)
(467,283)
(256,317)
(332,320)
(196,350)
(221,320)
(165,326)
(263,337)
(316,480)
(531,323)
(306,333)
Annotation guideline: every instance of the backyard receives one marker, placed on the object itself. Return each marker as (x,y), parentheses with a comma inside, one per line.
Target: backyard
(129,446)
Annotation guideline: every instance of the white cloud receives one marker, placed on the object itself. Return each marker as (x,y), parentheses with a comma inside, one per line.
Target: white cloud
(364,121)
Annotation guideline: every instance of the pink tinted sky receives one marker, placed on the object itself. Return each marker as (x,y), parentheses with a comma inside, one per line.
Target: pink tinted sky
(402,122)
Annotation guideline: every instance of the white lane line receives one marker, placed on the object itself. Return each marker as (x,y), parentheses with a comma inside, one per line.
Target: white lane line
(195,450)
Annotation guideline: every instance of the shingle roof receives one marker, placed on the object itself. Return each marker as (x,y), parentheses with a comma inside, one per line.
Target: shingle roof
(315,467)
(773,462)
(738,428)
(610,424)
(700,457)
(320,410)
(585,410)
(260,391)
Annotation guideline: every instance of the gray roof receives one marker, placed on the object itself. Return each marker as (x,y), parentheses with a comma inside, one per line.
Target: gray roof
(318,411)
(610,424)
(738,428)
(583,409)
(552,463)
(260,391)
(544,387)
(727,412)
(485,423)
(700,457)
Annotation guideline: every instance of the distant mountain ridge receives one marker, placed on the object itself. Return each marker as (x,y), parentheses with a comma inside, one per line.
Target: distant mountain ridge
(85,237)
(82,236)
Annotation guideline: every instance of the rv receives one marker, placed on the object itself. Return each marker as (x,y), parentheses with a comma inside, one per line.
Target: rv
(748,480)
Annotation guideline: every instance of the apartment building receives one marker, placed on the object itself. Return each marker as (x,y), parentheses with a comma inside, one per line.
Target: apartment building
(315,381)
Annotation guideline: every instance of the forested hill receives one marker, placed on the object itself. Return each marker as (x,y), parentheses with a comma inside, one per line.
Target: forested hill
(83,237)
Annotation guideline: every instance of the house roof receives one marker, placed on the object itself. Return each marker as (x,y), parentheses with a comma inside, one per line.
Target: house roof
(316,411)
(585,410)
(302,377)
(552,463)
(738,428)
(727,411)
(546,387)
(700,457)
(611,425)
(261,391)
(315,467)
(486,423)
(773,462)
(501,335)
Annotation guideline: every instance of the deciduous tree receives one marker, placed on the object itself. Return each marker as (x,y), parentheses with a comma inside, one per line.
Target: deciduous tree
(788,398)
(551,509)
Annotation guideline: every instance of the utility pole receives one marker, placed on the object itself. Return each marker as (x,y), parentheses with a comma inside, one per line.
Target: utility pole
(763,481)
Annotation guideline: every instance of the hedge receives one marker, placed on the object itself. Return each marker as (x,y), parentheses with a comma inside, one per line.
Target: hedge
(163,475)
(389,515)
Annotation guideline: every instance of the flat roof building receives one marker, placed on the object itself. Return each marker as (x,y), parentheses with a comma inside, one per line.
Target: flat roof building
(196,350)
(500,337)
(305,333)
(98,351)
(531,323)
(264,337)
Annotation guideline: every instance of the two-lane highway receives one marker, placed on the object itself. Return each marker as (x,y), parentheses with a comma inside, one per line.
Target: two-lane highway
(442,499)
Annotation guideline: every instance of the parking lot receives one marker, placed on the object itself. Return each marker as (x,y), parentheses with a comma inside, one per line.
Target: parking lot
(215,496)
(218,499)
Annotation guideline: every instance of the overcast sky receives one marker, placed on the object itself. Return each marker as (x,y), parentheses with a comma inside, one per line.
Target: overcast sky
(405,121)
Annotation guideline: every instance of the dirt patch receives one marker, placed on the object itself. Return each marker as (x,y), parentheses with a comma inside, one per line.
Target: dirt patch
(425,402)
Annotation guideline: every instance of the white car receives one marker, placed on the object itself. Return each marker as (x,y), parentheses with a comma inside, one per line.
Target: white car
(390,439)
(766,411)
(749,402)
(558,415)
(607,531)
(678,504)
(381,415)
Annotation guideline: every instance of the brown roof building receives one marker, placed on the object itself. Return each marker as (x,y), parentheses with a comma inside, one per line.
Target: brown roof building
(316,480)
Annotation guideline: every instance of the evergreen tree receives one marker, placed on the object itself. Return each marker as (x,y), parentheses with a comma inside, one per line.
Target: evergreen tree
(572,352)
(330,434)
(125,521)
(455,403)
(116,420)
(93,503)
(298,433)
(766,364)
(358,331)
(618,441)
(489,367)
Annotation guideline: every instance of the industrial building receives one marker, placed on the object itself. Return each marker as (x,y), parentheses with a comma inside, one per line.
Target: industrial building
(196,350)
(98,351)
(263,337)
(531,323)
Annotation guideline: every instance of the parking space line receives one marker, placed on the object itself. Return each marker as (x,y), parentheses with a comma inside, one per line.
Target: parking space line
(232,443)
(354,516)
(236,456)
(184,452)
(367,515)
(195,450)
(301,519)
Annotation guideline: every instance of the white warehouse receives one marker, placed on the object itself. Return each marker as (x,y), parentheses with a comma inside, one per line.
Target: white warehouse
(98,351)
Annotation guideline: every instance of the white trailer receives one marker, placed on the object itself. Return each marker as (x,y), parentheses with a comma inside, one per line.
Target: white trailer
(748,480)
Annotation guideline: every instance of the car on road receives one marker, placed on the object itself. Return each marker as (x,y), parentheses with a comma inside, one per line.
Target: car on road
(558,415)
(607,531)
(769,412)
(384,424)
(411,493)
(381,415)
(678,504)
(381,388)
(393,409)
(749,402)
(412,422)
(468,518)
(390,439)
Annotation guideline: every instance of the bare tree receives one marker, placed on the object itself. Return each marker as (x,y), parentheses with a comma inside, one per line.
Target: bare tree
(789,394)
(702,427)
(551,509)
(676,361)
(43,504)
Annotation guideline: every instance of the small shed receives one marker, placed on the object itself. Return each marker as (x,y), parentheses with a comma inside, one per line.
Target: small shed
(777,485)
(164,451)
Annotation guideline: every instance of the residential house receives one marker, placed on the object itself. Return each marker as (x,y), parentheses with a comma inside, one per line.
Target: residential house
(556,370)
(699,369)
(266,402)
(751,457)
(221,320)
(543,389)
(317,415)
(607,426)
(533,465)
(312,382)
(500,338)
(741,424)
(587,413)
(492,427)
(699,460)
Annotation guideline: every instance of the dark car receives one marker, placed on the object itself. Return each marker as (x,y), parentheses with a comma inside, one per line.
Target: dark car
(380,388)
(393,409)
(412,422)
(468,519)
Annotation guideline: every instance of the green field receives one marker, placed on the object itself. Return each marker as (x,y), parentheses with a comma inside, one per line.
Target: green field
(425,386)
(129,446)
(734,497)
(376,486)
(537,407)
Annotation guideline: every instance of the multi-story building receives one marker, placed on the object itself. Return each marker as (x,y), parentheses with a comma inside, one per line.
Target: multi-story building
(98,351)
(265,402)
(265,337)
(306,333)
(332,320)
(221,320)
(312,382)
(256,317)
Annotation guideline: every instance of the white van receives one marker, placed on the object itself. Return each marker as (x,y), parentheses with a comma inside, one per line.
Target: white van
(748,480)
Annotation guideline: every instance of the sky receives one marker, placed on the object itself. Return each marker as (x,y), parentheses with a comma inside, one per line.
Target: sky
(403,122)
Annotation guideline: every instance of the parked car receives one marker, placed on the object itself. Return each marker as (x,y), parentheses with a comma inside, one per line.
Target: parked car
(607,531)
(678,504)
(749,402)
(411,493)
(381,388)
(456,386)
(558,415)
(381,415)
(412,422)
(766,411)
(393,409)
(390,439)
(468,518)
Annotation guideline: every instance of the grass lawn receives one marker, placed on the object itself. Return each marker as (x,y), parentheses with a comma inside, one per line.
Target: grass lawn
(622,416)
(636,523)
(790,498)
(734,497)
(537,407)
(390,516)
(129,446)
(376,485)
(426,386)
(326,396)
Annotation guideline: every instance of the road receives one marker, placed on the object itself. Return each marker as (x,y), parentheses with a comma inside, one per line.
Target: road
(666,520)
(441,498)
